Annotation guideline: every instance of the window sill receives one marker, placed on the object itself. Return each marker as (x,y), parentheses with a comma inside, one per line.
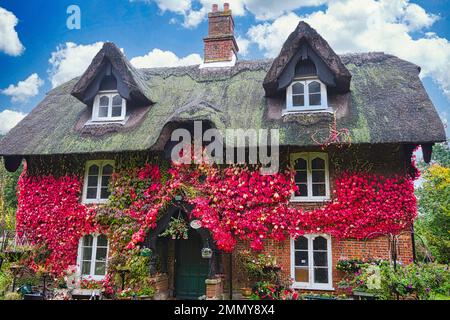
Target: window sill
(306,111)
(109,121)
(94,201)
(310,200)
(302,286)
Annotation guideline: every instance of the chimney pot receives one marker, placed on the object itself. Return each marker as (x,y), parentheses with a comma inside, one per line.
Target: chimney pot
(215,7)
(226,6)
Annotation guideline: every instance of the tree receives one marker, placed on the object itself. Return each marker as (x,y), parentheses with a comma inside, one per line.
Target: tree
(433,224)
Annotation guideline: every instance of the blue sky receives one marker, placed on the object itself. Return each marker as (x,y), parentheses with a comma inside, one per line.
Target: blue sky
(35,30)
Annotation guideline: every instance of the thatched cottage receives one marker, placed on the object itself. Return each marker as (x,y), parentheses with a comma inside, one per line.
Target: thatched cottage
(363,113)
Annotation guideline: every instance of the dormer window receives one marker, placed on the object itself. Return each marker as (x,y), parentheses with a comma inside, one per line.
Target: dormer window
(109,106)
(306,95)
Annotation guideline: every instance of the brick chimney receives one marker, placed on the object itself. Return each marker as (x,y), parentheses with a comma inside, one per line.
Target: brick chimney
(220,44)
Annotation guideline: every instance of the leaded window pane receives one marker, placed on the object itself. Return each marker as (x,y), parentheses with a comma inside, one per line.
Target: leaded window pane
(301,177)
(318,163)
(298,88)
(93,170)
(315,100)
(298,100)
(320,243)
(102,241)
(314,87)
(100,268)
(86,267)
(116,111)
(108,170)
(103,112)
(319,190)
(301,274)
(117,101)
(318,176)
(320,259)
(300,164)
(321,275)
(104,101)
(104,193)
(301,243)
(92,181)
(301,258)
(302,190)
(88,241)
(91,193)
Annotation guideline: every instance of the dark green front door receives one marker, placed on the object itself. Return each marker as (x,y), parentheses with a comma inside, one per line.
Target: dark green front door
(191,268)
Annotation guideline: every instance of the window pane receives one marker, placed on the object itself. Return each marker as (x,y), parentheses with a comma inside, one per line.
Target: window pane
(321,275)
(105,181)
(314,87)
(100,268)
(87,253)
(102,241)
(301,258)
(301,243)
(318,163)
(88,241)
(86,268)
(319,190)
(318,176)
(315,100)
(300,176)
(320,259)
(91,193)
(104,101)
(301,274)
(101,254)
(116,111)
(93,170)
(298,101)
(92,181)
(302,190)
(104,194)
(102,112)
(298,88)
(320,243)
(117,101)
(300,164)
(107,170)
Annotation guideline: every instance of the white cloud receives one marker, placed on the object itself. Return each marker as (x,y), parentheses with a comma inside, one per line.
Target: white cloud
(8,119)
(9,39)
(262,9)
(71,60)
(368,25)
(25,89)
(160,58)
(243,45)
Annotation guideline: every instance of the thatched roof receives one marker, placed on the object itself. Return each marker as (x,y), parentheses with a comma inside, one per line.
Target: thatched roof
(132,84)
(290,53)
(387,103)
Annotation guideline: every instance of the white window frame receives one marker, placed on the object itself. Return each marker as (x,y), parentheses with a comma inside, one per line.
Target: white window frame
(110,94)
(309,156)
(310,285)
(323,96)
(101,164)
(91,275)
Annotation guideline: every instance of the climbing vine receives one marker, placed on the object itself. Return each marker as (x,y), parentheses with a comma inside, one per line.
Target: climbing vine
(234,203)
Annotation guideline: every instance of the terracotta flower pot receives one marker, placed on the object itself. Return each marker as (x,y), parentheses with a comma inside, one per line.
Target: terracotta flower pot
(246,292)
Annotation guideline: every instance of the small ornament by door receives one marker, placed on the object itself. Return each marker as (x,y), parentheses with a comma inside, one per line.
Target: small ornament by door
(206,253)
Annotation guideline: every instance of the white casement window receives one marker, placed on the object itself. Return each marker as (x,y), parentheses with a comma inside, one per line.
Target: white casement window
(92,256)
(311,176)
(109,106)
(311,262)
(96,181)
(306,95)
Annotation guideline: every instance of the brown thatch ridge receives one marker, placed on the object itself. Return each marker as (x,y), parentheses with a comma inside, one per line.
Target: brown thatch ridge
(131,78)
(305,34)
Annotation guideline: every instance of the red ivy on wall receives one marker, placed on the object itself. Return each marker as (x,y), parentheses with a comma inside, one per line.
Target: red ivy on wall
(50,215)
(233,203)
